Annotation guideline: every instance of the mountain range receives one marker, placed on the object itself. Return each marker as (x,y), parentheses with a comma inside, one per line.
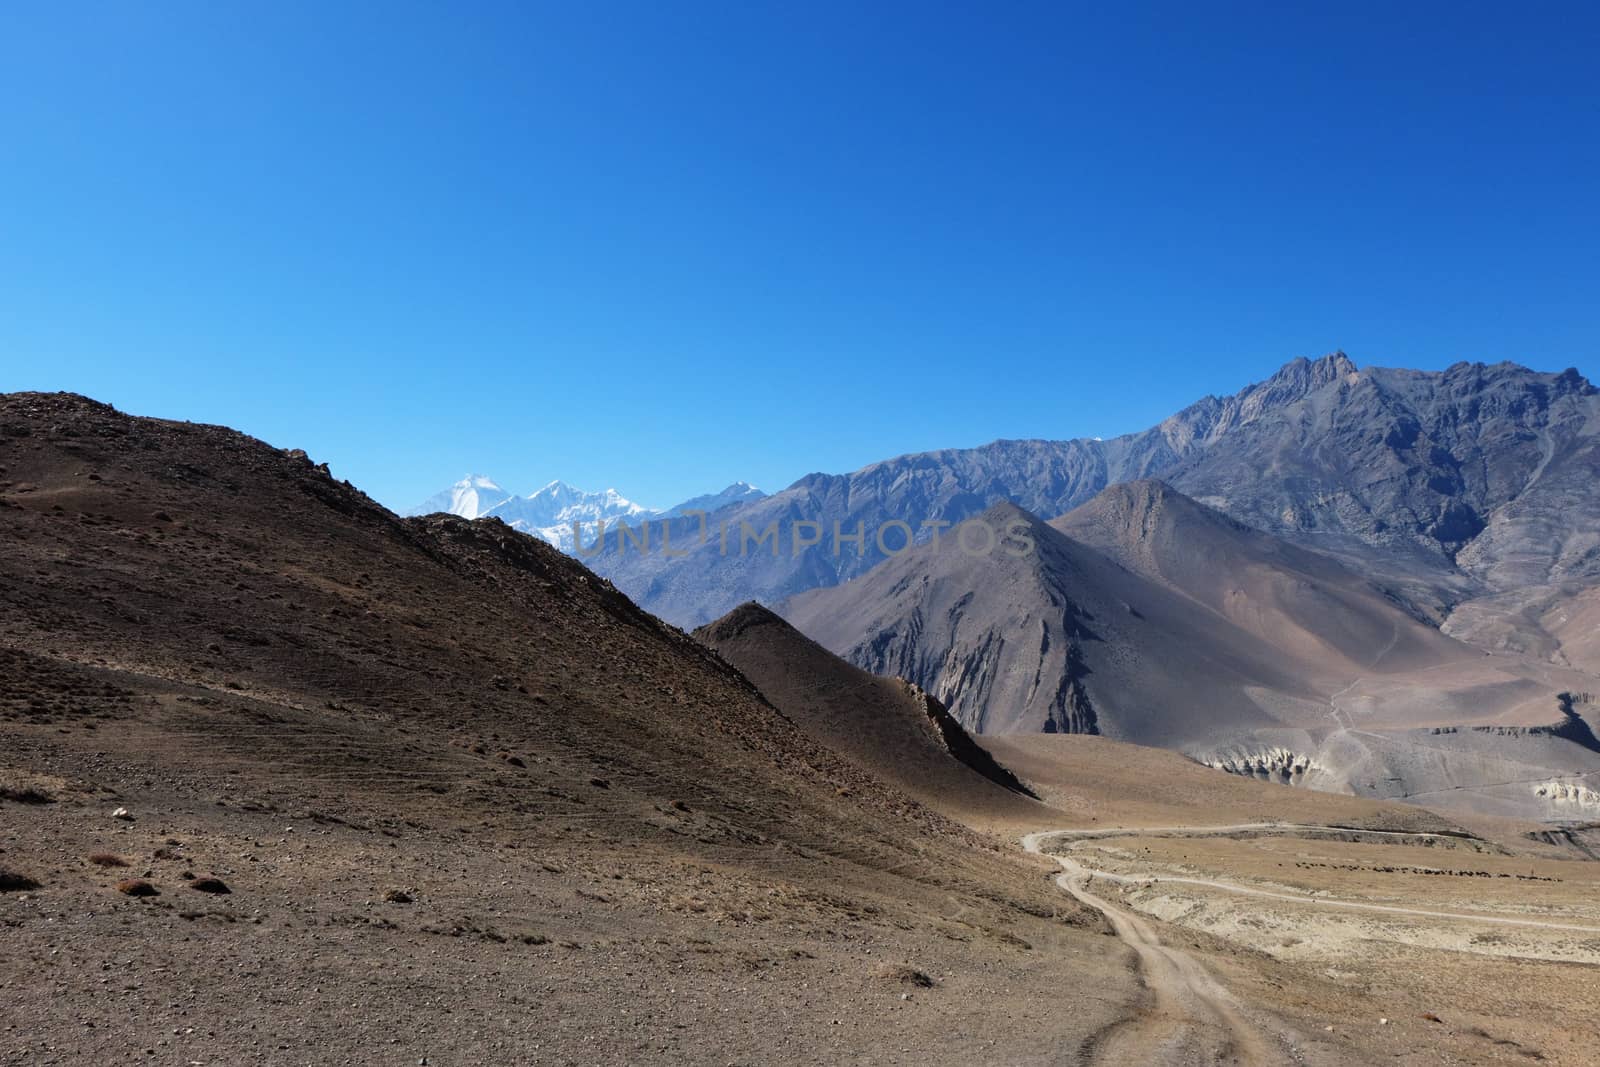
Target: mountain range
(304,751)
(551,511)
(1341,577)
(1449,489)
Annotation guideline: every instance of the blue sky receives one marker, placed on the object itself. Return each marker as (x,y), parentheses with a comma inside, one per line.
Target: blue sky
(667,246)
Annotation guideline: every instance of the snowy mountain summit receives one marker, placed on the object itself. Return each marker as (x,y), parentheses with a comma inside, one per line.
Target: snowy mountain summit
(550,511)
(471,498)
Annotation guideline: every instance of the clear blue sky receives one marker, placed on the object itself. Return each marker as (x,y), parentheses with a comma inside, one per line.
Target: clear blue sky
(668,245)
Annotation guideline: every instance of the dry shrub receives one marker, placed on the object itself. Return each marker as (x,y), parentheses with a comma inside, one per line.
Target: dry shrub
(137,887)
(397,896)
(904,974)
(15,881)
(210,885)
(106,859)
(25,794)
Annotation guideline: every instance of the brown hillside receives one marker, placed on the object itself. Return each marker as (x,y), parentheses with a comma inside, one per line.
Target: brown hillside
(887,725)
(444,743)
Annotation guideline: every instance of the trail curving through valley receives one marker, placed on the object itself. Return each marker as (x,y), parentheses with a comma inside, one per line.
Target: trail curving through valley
(1032,844)
(1190,1017)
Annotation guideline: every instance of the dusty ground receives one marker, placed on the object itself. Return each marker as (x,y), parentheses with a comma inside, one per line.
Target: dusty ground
(1477,945)
(565,950)
(1468,959)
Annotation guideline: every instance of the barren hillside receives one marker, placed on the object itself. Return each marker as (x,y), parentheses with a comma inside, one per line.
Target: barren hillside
(892,728)
(445,770)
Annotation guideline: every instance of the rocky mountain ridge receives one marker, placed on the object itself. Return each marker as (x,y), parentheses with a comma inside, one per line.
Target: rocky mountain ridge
(1447,486)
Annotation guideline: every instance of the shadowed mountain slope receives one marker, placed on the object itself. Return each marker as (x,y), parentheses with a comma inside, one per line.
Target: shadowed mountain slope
(1057,638)
(193,557)
(1303,603)
(892,728)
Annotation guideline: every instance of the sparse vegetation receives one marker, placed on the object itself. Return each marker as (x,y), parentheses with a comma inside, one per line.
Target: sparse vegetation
(209,885)
(106,859)
(15,881)
(26,794)
(904,974)
(137,887)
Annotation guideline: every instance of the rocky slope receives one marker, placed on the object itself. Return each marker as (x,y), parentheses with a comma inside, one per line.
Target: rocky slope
(1475,478)
(891,727)
(1057,638)
(1303,603)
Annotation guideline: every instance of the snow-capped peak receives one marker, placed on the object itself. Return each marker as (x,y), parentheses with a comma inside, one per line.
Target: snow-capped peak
(549,511)
(472,497)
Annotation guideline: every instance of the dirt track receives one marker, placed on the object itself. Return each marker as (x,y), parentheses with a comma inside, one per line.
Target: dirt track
(1189,1019)
(1032,844)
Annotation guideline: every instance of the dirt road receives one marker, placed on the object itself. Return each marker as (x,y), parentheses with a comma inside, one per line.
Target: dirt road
(1032,844)
(1189,1018)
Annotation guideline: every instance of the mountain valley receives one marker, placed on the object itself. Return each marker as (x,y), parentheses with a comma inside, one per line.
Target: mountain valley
(281,764)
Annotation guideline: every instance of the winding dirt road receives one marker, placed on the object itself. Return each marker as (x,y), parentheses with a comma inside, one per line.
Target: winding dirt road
(1190,1018)
(1032,844)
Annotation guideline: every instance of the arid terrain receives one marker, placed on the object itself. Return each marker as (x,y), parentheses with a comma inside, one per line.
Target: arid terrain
(290,780)
(1425,939)
(1146,616)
